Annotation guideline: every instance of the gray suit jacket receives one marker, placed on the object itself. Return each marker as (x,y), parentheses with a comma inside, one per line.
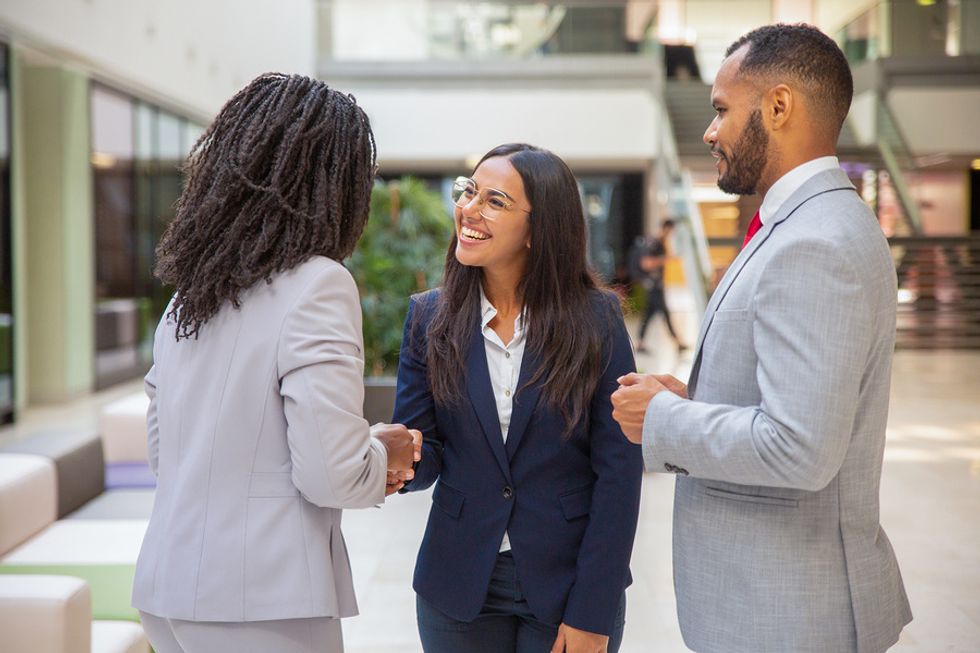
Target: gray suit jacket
(777,544)
(256,433)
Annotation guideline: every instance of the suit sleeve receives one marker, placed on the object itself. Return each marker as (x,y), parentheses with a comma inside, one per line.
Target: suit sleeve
(812,331)
(336,463)
(152,425)
(414,406)
(150,387)
(602,570)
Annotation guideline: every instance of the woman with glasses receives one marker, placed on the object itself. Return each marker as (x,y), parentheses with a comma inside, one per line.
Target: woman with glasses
(507,370)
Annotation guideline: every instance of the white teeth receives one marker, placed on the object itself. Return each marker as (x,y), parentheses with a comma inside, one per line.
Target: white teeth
(473,234)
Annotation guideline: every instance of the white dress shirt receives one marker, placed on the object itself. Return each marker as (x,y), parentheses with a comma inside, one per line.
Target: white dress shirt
(790,182)
(504,363)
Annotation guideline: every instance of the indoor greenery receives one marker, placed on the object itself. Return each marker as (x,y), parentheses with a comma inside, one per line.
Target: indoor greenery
(402,252)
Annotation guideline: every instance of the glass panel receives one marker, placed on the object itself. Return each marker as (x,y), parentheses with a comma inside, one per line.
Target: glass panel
(918,29)
(112,124)
(4,99)
(146,170)
(450,29)
(190,132)
(145,132)
(906,28)
(969,27)
(137,150)
(614,213)
(169,142)
(116,287)
(6,279)
(167,184)
(597,200)
(861,38)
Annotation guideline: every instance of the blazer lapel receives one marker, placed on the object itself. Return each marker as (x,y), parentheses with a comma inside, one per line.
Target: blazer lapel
(525,401)
(481,396)
(821,183)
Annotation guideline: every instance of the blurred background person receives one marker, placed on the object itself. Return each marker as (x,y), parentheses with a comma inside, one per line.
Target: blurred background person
(648,258)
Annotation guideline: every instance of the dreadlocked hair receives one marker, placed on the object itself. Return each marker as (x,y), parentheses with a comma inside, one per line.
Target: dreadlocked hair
(283,173)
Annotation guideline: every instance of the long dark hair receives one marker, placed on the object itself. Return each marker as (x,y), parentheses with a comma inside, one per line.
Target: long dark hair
(562,327)
(282,174)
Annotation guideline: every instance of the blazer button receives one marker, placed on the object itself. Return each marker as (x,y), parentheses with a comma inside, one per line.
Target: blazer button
(508,492)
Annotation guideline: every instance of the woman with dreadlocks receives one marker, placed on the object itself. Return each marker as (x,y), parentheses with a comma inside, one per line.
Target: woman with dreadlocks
(507,370)
(255,426)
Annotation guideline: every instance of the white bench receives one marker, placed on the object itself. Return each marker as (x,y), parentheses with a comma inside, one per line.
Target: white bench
(53,614)
(123,427)
(28,497)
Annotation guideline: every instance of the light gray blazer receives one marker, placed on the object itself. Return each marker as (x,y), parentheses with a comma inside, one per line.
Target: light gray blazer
(256,435)
(777,544)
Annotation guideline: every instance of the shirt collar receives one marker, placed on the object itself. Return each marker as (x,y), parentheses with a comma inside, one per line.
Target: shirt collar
(786,185)
(488,312)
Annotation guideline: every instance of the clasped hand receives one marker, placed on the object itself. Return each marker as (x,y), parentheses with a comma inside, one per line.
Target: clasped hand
(635,392)
(404,447)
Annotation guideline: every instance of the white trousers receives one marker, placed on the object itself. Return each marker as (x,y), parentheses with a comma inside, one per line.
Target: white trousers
(319,635)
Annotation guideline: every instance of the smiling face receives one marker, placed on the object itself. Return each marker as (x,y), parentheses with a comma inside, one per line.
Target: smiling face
(737,136)
(502,243)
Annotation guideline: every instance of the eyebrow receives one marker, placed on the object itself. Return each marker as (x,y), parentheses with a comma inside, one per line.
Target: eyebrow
(494,190)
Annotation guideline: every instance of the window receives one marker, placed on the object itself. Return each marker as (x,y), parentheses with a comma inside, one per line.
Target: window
(6,272)
(137,149)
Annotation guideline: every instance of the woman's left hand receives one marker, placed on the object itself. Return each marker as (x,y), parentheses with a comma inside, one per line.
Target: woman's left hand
(573,640)
(397,480)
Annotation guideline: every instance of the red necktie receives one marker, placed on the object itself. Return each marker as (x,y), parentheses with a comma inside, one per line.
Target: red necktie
(754,226)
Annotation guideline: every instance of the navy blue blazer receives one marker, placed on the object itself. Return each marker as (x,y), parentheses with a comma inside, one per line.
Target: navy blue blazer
(569,504)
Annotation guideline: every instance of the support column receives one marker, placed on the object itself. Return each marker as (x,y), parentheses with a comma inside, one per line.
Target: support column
(56,250)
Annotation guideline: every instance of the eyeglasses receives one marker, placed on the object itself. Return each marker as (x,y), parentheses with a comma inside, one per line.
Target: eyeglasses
(494,204)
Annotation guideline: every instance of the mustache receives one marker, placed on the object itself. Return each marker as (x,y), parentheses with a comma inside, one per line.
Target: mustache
(717,152)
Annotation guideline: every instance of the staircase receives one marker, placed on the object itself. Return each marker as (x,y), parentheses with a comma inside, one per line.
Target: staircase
(939,292)
(938,278)
(689,107)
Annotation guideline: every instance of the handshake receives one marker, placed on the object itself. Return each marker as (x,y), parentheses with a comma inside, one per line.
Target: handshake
(404,448)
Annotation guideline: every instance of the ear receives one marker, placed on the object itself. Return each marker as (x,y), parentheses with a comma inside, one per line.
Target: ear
(779,104)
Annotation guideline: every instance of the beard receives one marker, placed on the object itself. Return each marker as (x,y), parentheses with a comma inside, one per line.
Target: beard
(747,159)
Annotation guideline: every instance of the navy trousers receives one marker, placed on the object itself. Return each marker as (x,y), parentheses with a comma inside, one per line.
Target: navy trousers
(504,625)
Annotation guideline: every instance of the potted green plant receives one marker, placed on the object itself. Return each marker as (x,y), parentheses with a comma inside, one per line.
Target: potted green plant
(401,252)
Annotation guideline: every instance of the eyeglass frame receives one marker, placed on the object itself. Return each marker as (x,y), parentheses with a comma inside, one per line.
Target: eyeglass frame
(481,195)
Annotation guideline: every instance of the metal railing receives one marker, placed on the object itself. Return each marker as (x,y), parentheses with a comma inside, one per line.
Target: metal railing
(938,292)
(357,30)
(692,246)
(897,157)
(907,28)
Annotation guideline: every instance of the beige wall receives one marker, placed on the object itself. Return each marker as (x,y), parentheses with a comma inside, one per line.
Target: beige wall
(916,109)
(943,199)
(611,125)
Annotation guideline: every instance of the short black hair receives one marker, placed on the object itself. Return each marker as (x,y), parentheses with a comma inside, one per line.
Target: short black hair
(807,56)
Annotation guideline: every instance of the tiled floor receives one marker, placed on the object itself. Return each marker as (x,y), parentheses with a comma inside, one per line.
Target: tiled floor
(930,507)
